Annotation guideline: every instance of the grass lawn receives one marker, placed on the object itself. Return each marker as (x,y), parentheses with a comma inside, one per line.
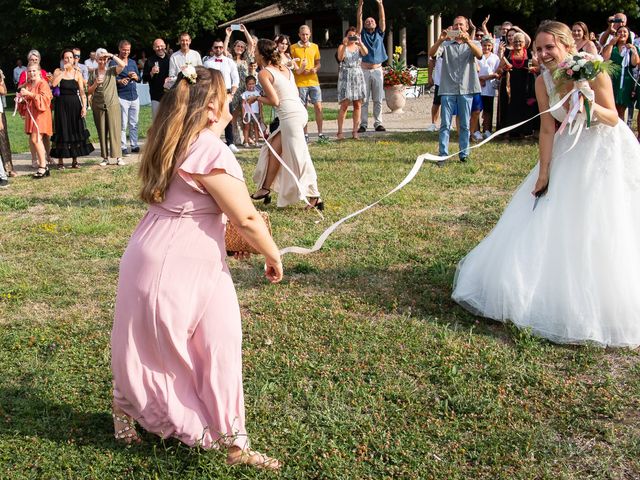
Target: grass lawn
(357,366)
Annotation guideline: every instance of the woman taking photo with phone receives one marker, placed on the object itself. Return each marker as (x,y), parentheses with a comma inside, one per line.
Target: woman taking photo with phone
(351,87)
(622,52)
(176,344)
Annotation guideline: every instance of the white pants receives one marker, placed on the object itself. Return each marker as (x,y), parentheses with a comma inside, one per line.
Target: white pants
(155,105)
(129,110)
(373,81)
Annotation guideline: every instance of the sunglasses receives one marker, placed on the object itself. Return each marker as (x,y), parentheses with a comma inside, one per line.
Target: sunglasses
(76,56)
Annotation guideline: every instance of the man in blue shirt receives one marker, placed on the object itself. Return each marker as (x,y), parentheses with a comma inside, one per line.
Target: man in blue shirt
(128,95)
(372,36)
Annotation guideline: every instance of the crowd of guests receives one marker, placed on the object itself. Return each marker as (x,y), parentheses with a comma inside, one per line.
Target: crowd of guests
(478,76)
(475,72)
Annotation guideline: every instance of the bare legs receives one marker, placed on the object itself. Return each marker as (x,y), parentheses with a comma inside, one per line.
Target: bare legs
(342,115)
(273,166)
(357,110)
(37,148)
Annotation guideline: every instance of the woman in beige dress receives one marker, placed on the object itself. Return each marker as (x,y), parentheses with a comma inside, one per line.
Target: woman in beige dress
(288,140)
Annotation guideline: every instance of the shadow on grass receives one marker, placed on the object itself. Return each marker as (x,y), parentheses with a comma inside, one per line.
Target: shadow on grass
(28,413)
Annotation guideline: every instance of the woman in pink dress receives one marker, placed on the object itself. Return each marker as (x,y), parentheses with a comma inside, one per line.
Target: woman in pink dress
(176,339)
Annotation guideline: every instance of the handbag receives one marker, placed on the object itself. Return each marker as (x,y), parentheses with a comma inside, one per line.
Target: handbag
(235,242)
(55,91)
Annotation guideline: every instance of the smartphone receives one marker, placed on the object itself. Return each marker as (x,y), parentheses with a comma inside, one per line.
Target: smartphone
(453,33)
(497,31)
(352,38)
(235,26)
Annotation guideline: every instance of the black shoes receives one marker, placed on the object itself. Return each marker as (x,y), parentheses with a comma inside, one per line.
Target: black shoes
(362,129)
(380,128)
(266,197)
(41,173)
(135,150)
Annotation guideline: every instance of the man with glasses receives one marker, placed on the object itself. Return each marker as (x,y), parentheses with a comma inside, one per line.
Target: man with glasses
(83,68)
(229,70)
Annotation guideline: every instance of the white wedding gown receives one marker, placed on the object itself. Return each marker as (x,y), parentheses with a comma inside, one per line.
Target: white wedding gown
(570,269)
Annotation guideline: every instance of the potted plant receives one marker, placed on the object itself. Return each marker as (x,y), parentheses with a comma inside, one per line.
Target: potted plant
(396,79)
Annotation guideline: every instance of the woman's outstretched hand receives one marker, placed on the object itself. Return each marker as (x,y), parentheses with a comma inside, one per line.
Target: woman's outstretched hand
(273,270)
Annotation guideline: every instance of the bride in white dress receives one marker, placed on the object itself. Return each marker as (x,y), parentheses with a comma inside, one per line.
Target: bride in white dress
(570,269)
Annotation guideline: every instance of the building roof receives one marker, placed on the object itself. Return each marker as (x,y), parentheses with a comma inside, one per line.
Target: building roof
(265,13)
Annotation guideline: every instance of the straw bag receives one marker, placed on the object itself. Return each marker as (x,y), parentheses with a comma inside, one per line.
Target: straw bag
(235,242)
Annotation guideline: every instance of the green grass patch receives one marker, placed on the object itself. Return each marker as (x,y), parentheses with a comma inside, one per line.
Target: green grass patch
(357,366)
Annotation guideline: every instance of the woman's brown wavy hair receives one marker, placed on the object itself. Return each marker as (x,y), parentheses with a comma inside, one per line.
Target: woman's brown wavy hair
(181,117)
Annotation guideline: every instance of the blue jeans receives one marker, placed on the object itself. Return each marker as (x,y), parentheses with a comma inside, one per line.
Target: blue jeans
(463,103)
(129,110)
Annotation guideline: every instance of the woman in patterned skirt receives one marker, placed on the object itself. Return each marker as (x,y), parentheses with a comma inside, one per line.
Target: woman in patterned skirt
(351,88)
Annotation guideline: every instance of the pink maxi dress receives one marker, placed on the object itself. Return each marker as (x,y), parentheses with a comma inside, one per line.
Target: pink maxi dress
(176,339)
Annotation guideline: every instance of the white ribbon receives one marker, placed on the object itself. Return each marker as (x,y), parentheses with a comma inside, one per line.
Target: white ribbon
(26,104)
(410,176)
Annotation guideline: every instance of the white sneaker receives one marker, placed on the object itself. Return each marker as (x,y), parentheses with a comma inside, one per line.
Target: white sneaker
(487,134)
(477,136)
(432,128)
(120,162)
(233,148)
(104,162)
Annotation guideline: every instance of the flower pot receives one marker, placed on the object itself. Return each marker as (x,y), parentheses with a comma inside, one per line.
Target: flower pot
(394,95)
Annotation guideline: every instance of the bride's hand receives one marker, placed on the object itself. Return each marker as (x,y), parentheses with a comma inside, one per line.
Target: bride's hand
(541,185)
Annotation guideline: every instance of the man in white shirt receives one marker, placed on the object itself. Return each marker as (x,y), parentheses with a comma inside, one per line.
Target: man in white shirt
(91,63)
(183,56)
(17,72)
(229,71)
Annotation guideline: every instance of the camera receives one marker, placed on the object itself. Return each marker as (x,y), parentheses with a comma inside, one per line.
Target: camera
(352,38)
(616,20)
(453,33)
(235,26)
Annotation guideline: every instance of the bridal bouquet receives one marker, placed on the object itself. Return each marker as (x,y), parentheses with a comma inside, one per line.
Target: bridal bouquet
(581,68)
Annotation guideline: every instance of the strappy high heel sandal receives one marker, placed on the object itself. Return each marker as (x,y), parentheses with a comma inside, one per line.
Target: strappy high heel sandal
(254,459)
(60,165)
(127,434)
(315,202)
(41,173)
(75,164)
(266,198)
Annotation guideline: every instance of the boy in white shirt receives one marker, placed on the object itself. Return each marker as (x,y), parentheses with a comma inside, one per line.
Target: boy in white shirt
(255,108)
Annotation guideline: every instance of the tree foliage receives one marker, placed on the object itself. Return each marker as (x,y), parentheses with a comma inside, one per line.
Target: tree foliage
(50,25)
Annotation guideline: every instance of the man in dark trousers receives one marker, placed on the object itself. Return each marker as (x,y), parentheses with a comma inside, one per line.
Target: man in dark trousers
(155,72)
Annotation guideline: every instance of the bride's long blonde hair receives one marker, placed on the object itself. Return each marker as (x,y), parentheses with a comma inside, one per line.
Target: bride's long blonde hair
(181,117)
